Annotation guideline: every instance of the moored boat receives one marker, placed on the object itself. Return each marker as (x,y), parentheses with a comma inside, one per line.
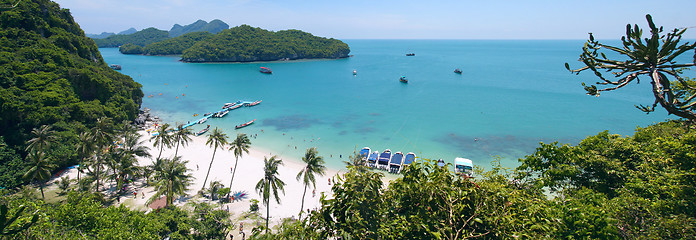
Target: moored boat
(115,66)
(244,124)
(265,70)
(364,153)
(410,54)
(372,159)
(234,107)
(223,113)
(458,71)
(228,105)
(253,103)
(201,132)
(408,160)
(355,72)
(403,79)
(464,167)
(202,120)
(395,162)
(384,158)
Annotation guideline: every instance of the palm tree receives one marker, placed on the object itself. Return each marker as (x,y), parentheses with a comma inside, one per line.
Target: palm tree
(84,148)
(215,186)
(181,136)
(238,146)
(42,137)
(162,138)
(40,169)
(315,165)
(270,183)
(102,136)
(171,179)
(216,139)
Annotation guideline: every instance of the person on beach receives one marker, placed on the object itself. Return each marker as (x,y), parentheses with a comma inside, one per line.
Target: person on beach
(329,181)
(135,194)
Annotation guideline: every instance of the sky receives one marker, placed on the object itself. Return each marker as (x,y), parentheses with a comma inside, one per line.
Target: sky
(394,19)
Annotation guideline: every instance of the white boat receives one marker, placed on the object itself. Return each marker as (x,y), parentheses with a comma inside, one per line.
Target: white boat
(464,166)
(383,161)
(395,162)
(223,113)
(364,153)
(202,120)
(372,159)
(355,72)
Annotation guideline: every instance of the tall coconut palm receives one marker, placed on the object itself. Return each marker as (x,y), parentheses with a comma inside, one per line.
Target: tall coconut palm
(41,138)
(270,183)
(85,149)
(239,146)
(171,179)
(102,136)
(40,169)
(125,162)
(315,165)
(216,139)
(181,136)
(162,138)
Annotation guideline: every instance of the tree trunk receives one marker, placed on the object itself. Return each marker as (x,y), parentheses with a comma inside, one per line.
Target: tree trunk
(161,148)
(236,160)
(303,196)
(41,185)
(210,166)
(268,210)
(177,148)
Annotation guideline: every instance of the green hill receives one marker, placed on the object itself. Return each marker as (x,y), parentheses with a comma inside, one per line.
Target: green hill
(245,44)
(140,38)
(214,26)
(52,74)
(172,46)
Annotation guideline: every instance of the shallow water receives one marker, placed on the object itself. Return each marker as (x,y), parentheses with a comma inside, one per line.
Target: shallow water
(512,95)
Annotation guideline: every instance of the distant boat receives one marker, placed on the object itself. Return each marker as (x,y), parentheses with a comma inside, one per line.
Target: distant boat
(201,132)
(458,71)
(223,113)
(115,66)
(464,166)
(244,124)
(410,54)
(403,79)
(228,105)
(355,72)
(372,159)
(202,120)
(395,162)
(234,107)
(384,158)
(265,70)
(252,104)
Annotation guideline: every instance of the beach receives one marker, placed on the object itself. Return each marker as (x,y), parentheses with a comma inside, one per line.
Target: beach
(249,172)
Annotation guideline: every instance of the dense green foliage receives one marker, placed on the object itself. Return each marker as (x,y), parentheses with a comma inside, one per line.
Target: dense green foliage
(172,46)
(140,38)
(245,43)
(213,27)
(53,75)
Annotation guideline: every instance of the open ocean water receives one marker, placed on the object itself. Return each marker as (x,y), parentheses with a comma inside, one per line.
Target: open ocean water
(512,95)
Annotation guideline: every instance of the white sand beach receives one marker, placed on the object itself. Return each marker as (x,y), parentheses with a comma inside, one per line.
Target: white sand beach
(249,172)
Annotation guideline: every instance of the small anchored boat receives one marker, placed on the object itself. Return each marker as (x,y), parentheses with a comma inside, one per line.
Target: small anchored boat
(202,120)
(410,54)
(228,105)
(403,79)
(253,103)
(464,166)
(458,71)
(395,162)
(115,66)
(355,72)
(201,132)
(410,157)
(364,153)
(244,124)
(265,70)
(384,158)
(372,159)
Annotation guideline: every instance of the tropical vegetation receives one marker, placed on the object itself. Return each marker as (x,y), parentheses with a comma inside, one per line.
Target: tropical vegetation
(269,184)
(139,38)
(238,146)
(245,44)
(314,165)
(216,139)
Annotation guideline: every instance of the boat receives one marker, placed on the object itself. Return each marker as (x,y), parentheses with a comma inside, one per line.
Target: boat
(115,66)
(372,159)
(265,70)
(253,103)
(458,71)
(195,114)
(364,153)
(464,167)
(410,54)
(403,79)
(384,158)
(234,107)
(408,160)
(244,124)
(395,162)
(201,132)
(228,105)
(223,113)
(440,162)
(355,72)
(202,120)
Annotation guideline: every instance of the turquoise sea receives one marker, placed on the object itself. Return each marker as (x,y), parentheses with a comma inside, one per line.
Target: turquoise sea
(512,95)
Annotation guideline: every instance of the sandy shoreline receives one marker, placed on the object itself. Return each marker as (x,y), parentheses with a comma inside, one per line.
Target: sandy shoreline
(249,172)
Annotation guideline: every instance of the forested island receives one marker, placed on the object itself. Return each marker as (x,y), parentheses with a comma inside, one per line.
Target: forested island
(61,105)
(246,44)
